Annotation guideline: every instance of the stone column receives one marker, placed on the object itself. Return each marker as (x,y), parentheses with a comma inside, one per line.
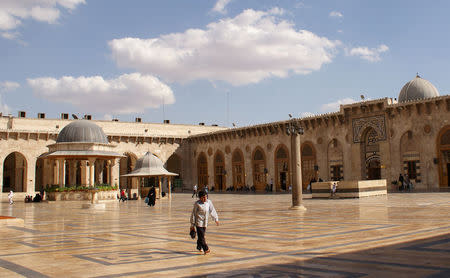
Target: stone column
(108,172)
(84,177)
(91,171)
(61,172)
(115,171)
(54,165)
(297,196)
(169,184)
(159,185)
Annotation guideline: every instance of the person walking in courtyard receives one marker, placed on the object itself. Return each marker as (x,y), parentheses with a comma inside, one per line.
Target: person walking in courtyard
(151,196)
(10,197)
(194,193)
(199,219)
(123,196)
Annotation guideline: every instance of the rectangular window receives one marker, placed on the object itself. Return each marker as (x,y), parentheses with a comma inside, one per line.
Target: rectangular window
(412,170)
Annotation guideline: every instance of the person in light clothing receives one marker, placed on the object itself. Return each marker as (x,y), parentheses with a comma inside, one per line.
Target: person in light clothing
(199,219)
(10,197)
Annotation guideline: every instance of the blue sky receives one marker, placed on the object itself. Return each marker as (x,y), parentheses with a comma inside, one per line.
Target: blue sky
(218,62)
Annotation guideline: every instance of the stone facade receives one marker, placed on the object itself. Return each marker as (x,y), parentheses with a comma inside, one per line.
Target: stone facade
(376,139)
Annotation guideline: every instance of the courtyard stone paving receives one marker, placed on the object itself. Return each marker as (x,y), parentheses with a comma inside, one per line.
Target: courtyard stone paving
(399,235)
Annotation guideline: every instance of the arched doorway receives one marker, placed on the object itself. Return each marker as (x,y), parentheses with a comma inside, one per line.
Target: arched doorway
(443,146)
(219,171)
(335,160)
(173,165)
(126,165)
(202,170)
(259,169)
(282,168)
(370,152)
(15,173)
(309,164)
(238,169)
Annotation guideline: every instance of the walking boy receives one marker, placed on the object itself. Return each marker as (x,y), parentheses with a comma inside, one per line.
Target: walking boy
(199,219)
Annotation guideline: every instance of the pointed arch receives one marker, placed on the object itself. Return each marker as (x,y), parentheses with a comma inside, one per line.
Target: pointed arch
(309,163)
(238,166)
(202,170)
(219,171)
(282,169)
(259,169)
(370,154)
(126,165)
(443,154)
(15,173)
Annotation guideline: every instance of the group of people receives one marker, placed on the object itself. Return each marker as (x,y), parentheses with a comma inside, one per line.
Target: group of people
(404,183)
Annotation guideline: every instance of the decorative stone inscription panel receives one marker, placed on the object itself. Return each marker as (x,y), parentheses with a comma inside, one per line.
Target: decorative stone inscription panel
(360,125)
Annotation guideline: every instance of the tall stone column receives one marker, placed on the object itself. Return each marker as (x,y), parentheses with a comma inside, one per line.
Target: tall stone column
(169,184)
(108,172)
(91,171)
(84,176)
(297,194)
(159,184)
(115,171)
(61,172)
(55,167)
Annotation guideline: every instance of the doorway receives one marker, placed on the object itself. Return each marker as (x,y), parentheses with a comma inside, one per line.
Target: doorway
(374,170)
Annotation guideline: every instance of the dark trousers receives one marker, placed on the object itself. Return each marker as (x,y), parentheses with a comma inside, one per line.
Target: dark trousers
(201,242)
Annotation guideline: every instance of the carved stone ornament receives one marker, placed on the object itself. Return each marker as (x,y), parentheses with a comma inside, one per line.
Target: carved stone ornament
(427,129)
(227,149)
(319,140)
(269,146)
(247,148)
(360,125)
(210,151)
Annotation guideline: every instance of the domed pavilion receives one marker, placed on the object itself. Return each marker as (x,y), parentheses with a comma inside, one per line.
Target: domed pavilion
(82,155)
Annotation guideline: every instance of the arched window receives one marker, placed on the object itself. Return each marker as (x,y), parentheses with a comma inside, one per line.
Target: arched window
(282,173)
(219,171)
(259,169)
(202,170)
(238,169)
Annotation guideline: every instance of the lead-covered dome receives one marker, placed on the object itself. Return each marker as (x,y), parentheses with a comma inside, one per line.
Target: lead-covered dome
(82,131)
(418,88)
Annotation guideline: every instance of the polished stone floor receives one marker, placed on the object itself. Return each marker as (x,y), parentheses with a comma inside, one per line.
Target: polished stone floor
(399,235)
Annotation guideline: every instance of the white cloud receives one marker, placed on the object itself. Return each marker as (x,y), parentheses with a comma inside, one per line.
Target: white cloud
(4,109)
(220,6)
(13,12)
(335,106)
(7,86)
(245,49)
(336,14)
(129,93)
(369,54)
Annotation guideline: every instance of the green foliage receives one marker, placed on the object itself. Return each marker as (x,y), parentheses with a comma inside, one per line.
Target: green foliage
(99,187)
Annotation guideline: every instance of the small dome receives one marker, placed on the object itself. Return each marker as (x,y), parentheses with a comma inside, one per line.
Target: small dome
(82,131)
(418,88)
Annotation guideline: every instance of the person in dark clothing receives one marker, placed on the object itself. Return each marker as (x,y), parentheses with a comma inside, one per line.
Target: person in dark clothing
(151,196)
(37,198)
(400,182)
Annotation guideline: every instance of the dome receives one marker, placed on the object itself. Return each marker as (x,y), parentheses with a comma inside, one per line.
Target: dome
(418,88)
(82,131)
(149,165)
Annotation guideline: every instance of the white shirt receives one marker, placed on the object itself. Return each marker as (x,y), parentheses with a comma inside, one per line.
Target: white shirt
(200,212)
(195,187)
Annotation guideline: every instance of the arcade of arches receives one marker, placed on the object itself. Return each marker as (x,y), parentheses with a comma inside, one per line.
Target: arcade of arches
(371,168)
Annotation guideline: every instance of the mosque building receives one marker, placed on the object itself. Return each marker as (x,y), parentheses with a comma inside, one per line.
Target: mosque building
(367,140)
